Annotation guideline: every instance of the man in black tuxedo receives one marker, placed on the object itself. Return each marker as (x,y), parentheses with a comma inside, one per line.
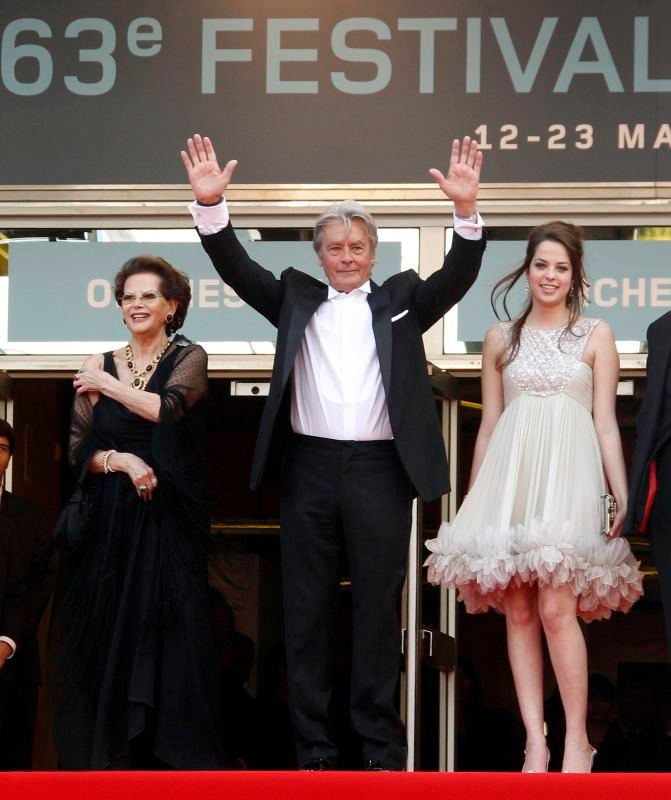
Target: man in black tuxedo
(25,585)
(649,505)
(351,394)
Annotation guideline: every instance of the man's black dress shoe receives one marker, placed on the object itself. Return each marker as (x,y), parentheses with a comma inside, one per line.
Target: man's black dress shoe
(316,765)
(373,765)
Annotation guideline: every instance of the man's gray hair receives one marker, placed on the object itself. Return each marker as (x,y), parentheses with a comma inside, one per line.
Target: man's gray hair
(345,212)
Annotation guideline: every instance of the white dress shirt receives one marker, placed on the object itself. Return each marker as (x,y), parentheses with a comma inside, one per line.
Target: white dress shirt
(337,385)
(336,381)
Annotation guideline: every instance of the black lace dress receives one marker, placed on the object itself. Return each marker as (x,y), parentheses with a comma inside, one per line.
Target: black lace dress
(131,652)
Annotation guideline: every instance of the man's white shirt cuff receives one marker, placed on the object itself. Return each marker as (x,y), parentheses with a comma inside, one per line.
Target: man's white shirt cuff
(469,229)
(11,643)
(210,219)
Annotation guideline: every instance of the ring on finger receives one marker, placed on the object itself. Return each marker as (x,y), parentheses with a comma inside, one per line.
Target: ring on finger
(142,489)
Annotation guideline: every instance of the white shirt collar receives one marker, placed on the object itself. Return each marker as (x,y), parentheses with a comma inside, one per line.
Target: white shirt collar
(365,287)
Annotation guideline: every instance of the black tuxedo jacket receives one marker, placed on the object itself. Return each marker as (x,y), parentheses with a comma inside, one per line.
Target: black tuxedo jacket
(290,301)
(25,583)
(653,432)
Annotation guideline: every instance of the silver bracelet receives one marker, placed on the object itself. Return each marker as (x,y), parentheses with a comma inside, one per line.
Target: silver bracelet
(107,467)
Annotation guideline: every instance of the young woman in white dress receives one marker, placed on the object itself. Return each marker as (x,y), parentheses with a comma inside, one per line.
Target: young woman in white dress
(527,540)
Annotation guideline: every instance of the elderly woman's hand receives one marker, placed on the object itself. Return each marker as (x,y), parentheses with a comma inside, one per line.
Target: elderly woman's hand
(91,379)
(140,473)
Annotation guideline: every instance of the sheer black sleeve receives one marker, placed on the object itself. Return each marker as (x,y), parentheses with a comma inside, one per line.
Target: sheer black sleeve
(83,442)
(187,384)
(179,436)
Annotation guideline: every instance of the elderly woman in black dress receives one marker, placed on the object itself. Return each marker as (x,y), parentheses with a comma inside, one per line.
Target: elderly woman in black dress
(134,676)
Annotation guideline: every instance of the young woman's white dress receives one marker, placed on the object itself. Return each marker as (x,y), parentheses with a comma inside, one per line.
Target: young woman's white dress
(532,515)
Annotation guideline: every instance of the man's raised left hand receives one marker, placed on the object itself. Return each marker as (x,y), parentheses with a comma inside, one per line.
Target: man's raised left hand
(462,181)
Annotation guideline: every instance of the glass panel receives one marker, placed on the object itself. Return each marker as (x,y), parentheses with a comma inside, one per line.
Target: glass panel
(204,295)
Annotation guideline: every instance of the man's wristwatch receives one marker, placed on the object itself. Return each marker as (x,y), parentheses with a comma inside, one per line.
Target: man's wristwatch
(472,218)
(209,205)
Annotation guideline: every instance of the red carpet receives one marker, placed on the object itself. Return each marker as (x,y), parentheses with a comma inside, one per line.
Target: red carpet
(326,785)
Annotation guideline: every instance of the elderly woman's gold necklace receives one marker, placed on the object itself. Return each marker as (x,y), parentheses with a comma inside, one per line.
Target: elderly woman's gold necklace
(141,377)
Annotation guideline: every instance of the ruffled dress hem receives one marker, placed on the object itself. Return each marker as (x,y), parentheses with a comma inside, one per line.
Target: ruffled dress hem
(602,573)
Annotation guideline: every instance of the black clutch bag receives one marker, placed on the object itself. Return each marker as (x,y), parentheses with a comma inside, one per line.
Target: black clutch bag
(73,526)
(608,508)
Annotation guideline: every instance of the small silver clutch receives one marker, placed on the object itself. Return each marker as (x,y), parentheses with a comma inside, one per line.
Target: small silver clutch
(608,508)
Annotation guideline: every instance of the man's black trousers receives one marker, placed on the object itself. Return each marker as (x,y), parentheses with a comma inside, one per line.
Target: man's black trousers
(354,495)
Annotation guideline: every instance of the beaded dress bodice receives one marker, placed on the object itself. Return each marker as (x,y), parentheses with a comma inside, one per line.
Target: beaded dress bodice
(547,360)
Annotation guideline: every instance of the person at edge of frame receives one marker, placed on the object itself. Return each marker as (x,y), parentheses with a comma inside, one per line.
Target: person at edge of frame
(26,581)
(649,509)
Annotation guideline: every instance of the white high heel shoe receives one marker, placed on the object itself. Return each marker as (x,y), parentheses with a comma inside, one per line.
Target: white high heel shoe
(547,761)
(591,761)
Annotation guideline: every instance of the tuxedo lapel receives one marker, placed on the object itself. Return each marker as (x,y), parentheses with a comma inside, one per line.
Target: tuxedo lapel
(380,302)
(307,302)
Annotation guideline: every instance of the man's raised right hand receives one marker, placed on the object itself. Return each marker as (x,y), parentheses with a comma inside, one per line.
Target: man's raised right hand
(207,179)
